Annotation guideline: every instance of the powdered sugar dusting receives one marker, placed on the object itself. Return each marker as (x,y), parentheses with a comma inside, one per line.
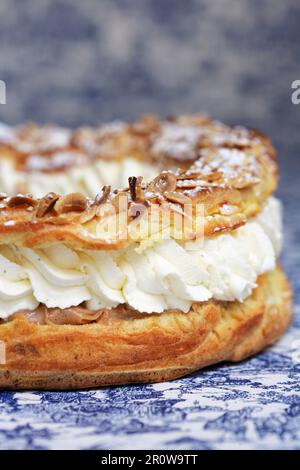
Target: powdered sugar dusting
(99,140)
(237,167)
(201,152)
(30,139)
(177,141)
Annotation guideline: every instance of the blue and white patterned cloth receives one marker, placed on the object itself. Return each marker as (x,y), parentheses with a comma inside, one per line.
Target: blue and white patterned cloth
(252,404)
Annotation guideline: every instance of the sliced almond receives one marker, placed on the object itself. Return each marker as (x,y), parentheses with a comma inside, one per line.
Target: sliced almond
(193,175)
(21,200)
(176,197)
(213,176)
(187,184)
(89,214)
(102,197)
(92,211)
(166,181)
(73,202)
(135,187)
(46,203)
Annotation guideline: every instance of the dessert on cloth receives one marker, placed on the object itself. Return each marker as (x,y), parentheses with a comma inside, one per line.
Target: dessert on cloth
(136,252)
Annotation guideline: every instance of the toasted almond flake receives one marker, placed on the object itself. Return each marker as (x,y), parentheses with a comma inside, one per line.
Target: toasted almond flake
(46,203)
(102,197)
(187,184)
(166,181)
(88,214)
(135,187)
(177,197)
(21,200)
(73,202)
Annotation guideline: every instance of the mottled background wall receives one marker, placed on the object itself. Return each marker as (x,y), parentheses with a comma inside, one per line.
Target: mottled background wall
(84,61)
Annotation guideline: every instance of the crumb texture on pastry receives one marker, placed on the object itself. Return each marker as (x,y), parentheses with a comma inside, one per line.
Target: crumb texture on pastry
(144,348)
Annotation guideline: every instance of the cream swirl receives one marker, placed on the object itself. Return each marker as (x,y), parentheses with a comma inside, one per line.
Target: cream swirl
(87,179)
(15,288)
(165,275)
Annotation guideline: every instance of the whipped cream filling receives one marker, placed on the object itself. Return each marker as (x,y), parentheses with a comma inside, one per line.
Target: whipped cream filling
(163,276)
(87,179)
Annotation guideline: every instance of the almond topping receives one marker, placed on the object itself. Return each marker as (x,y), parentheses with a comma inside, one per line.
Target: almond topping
(135,186)
(166,181)
(213,176)
(46,203)
(189,175)
(73,202)
(177,197)
(187,184)
(21,200)
(88,215)
(102,197)
(92,212)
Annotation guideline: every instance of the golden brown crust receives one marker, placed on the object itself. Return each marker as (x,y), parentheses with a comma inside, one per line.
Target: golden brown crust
(147,348)
(163,141)
(215,165)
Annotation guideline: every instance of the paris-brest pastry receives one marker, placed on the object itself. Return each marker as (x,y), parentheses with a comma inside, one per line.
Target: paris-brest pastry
(136,252)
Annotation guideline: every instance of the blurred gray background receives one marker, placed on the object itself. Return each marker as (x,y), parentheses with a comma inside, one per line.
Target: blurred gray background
(75,61)
(78,62)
